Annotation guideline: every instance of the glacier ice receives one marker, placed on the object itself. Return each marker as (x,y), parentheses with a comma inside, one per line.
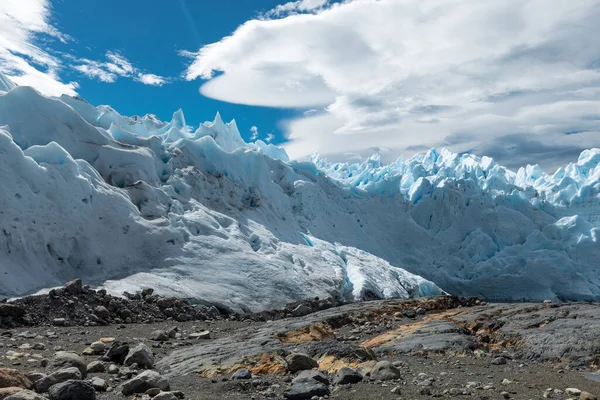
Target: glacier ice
(133,201)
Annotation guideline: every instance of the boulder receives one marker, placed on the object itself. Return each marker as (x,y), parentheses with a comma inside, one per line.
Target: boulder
(348,376)
(72,390)
(98,384)
(74,287)
(306,390)
(13,378)
(62,375)
(311,375)
(25,395)
(117,352)
(67,359)
(243,373)
(102,312)
(140,355)
(159,336)
(8,391)
(165,396)
(385,371)
(95,367)
(299,361)
(144,381)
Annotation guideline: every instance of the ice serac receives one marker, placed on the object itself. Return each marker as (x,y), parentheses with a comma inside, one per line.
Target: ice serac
(133,201)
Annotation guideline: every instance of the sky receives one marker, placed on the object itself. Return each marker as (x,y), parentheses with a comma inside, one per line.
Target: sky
(517,80)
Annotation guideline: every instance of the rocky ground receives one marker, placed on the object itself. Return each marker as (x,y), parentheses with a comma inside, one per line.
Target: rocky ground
(76,343)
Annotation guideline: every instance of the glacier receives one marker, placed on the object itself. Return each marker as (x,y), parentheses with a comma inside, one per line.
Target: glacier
(127,202)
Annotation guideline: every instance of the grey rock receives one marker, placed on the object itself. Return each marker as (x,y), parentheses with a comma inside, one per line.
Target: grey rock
(98,384)
(144,381)
(67,359)
(299,361)
(74,287)
(95,367)
(311,375)
(200,335)
(72,390)
(499,361)
(306,390)
(26,395)
(62,375)
(385,371)
(243,373)
(159,335)
(113,369)
(140,355)
(102,312)
(117,352)
(348,376)
(165,396)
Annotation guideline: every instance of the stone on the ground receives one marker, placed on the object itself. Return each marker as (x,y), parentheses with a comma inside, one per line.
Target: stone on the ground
(72,390)
(499,361)
(98,384)
(5,392)
(66,359)
(74,287)
(144,381)
(348,376)
(140,355)
(311,375)
(573,391)
(385,371)
(95,367)
(113,369)
(13,378)
(25,395)
(306,390)
(299,362)
(165,396)
(117,352)
(587,396)
(243,373)
(62,375)
(102,312)
(200,335)
(159,335)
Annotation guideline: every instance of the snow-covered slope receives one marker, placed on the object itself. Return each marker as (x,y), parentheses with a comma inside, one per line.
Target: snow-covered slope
(133,201)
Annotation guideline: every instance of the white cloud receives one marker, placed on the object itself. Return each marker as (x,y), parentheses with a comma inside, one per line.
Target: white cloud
(116,66)
(20,57)
(151,79)
(254,131)
(296,7)
(269,138)
(408,75)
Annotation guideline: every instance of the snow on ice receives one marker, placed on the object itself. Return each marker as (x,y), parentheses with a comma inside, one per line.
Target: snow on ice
(133,201)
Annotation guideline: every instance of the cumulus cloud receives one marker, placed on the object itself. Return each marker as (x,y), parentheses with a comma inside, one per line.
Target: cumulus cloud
(21,22)
(496,76)
(269,138)
(115,66)
(296,7)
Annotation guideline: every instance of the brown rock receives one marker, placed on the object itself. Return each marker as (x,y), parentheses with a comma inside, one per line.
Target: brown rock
(9,391)
(13,378)
(587,396)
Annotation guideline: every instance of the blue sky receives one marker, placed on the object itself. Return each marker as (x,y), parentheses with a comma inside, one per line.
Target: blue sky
(517,80)
(149,34)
